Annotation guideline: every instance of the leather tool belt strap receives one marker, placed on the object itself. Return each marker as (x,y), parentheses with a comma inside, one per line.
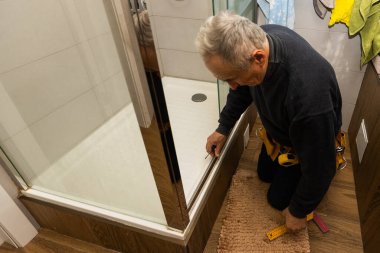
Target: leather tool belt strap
(287,156)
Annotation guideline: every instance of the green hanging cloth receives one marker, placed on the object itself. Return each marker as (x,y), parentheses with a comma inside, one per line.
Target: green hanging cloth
(365,18)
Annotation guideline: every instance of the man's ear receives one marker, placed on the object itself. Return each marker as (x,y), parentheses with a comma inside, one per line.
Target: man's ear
(258,56)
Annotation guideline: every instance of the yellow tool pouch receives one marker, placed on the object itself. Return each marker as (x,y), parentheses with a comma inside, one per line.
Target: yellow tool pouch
(340,146)
(286,155)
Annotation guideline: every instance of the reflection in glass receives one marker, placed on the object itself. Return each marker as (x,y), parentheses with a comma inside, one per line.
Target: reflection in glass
(145,38)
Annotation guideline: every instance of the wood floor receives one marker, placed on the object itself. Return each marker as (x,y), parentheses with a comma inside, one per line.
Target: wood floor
(338,209)
(51,242)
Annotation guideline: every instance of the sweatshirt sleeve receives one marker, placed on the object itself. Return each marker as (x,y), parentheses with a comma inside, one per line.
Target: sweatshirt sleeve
(237,102)
(313,139)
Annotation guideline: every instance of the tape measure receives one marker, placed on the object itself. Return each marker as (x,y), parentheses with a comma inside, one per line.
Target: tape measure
(279,231)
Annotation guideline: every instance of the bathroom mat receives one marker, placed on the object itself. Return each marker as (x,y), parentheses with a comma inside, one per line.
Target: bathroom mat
(249,217)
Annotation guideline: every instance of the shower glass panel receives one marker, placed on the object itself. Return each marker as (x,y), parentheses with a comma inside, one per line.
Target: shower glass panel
(184,77)
(67,123)
(245,8)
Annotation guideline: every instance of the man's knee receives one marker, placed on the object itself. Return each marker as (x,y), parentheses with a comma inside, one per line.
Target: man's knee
(277,201)
(265,166)
(264,175)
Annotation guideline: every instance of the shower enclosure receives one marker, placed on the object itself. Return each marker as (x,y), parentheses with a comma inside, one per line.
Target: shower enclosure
(94,120)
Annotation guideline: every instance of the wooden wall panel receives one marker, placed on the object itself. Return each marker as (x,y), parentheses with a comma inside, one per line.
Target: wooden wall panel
(367,108)
(367,173)
(97,230)
(370,210)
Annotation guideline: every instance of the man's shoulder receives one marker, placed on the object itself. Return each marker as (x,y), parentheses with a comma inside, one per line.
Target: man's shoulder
(296,47)
(276,29)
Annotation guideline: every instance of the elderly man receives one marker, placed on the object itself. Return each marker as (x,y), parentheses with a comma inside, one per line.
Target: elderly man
(298,99)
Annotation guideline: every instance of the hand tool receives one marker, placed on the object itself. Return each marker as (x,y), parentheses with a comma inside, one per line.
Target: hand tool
(213,149)
(279,231)
(320,223)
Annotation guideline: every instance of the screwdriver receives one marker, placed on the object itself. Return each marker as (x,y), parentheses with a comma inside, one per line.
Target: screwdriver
(213,149)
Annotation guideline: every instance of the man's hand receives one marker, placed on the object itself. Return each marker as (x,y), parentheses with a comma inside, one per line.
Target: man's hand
(293,224)
(215,143)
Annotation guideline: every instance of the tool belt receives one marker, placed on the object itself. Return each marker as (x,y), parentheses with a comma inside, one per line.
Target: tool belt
(287,156)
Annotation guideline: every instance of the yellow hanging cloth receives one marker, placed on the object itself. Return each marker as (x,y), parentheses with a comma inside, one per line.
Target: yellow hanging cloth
(341,12)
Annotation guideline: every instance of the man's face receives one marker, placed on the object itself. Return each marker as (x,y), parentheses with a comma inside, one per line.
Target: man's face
(252,76)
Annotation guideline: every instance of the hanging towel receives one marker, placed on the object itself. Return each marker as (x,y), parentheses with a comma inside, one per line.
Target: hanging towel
(360,13)
(365,18)
(264,6)
(370,36)
(341,12)
(328,3)
(279,12)
(319,8)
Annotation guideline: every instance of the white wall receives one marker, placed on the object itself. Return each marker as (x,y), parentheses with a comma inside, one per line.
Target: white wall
(175,25)
(340,50)
(13,215)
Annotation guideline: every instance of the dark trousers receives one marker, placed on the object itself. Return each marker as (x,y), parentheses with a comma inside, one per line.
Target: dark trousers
(284,180)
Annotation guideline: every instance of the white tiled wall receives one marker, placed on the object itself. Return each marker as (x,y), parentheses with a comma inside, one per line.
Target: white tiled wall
(184,64)
(30,86)
(51,58)
(192,9)
(335,45)
(46,31)
(71,123)
(177,33)
(105,54)
(175,25)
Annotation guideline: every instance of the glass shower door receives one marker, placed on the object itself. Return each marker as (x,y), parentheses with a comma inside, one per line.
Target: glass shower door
(245,8)
(67,123)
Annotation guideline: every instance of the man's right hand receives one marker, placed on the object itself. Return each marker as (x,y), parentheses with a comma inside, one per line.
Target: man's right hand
(217,140)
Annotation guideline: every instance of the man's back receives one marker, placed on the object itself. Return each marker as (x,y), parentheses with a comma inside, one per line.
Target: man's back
(299,83)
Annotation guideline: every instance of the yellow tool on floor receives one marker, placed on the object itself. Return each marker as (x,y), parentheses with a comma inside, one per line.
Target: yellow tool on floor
(279,231)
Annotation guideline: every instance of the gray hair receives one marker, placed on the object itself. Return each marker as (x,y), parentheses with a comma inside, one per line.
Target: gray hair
(143,29)
(230,36)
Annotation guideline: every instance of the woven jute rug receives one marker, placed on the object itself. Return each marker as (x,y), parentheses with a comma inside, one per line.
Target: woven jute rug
(249,217)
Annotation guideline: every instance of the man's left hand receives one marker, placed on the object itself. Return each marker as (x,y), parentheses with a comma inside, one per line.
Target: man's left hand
(293,224)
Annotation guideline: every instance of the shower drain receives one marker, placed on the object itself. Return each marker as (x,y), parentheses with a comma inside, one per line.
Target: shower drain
(199,97)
